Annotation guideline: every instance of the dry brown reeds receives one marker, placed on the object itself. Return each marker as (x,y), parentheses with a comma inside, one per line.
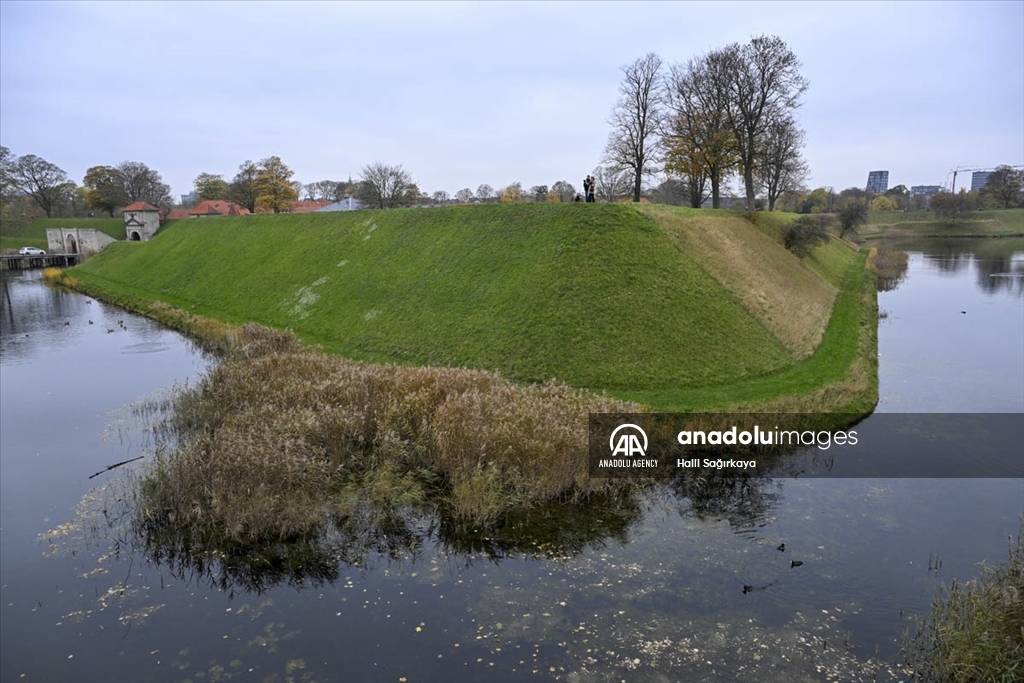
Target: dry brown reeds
(277,437)
(889,266)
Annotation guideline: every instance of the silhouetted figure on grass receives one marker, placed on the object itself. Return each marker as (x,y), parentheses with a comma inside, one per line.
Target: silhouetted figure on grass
(588,188)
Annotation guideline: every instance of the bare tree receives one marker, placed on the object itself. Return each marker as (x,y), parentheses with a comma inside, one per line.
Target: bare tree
(691,187)
(781,165)
(764,86)
(635,121)
(44,182)
(7,161)
(566,192)
(679,192)
(143,184)
(315,192)
(484,192)
(325,191)
(611,184)
(440,197)
(464,195)
(697,139)
(383,186)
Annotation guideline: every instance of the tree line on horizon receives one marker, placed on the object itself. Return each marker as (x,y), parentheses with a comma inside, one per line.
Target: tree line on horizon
(693,176)
(266,185)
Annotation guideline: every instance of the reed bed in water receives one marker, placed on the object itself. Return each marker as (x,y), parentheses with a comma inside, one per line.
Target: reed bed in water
(975,631)
(276,440)
(889,266)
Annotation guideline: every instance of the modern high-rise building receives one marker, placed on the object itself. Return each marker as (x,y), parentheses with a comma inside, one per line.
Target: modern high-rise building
(925,191)
(979,179)
(878,182)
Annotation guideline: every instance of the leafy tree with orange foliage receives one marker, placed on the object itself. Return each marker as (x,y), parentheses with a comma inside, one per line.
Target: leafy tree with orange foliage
(273,185)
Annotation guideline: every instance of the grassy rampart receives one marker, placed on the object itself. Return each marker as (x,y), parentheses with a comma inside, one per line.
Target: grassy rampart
(668,308)
(675,308)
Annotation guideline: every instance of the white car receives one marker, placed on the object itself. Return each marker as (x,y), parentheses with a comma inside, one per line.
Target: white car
(32,251)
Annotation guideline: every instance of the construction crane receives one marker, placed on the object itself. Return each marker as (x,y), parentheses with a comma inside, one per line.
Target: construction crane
(963,169)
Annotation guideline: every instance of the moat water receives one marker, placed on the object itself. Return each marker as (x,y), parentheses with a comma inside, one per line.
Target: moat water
(653,590)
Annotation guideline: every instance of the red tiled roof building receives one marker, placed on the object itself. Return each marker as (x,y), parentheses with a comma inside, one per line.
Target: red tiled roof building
(217,207)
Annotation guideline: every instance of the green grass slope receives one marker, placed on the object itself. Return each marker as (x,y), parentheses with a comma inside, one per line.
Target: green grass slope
(608,297)
(793,301)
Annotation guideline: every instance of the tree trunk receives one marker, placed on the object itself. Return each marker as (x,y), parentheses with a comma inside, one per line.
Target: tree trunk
(748,180)
(716,200)
(636,186)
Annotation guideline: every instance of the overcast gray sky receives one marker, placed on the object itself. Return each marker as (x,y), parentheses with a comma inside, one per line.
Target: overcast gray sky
(467,93)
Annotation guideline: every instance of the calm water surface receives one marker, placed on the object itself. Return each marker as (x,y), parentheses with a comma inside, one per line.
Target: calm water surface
(649,590)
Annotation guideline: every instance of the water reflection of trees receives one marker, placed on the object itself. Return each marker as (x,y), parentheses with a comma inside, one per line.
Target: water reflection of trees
(25,307)
(374,534)
(742,500)
(999,263)
(1001,274)
(949,261)
(996,272)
